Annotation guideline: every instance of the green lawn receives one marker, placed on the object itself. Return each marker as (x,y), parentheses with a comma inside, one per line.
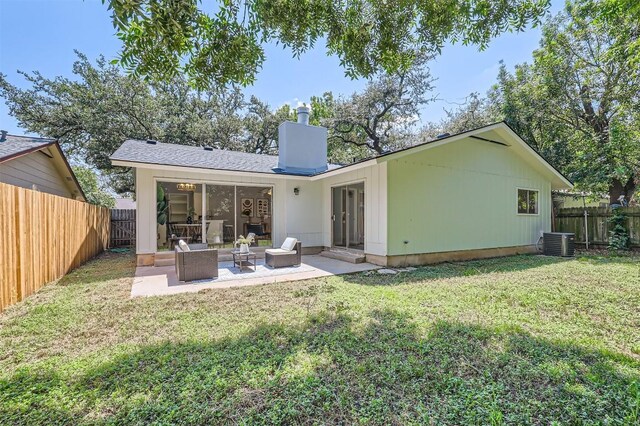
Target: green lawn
(521,340)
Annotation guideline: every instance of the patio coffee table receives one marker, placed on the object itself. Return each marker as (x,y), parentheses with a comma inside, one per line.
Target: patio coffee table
(242,259)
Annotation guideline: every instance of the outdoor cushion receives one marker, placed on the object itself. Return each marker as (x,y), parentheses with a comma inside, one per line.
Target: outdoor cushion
(184,246)
(289,244)
(280,251)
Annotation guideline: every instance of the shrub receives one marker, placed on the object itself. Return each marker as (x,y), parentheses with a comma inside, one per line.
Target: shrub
(618,235)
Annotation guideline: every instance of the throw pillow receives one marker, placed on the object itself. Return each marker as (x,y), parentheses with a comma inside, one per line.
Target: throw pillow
(184,246)
(289,244)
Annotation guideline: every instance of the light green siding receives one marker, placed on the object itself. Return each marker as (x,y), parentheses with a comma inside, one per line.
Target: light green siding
(461,196)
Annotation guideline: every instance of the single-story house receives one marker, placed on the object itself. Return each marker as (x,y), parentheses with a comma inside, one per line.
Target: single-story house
(38,164)
(475,194)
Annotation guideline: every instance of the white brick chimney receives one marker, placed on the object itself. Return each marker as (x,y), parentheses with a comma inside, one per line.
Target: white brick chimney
(302,148)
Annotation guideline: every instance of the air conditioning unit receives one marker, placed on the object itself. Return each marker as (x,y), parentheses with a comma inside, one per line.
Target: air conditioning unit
(559,244)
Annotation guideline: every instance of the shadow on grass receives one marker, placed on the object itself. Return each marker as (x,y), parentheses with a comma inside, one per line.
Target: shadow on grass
(379,371)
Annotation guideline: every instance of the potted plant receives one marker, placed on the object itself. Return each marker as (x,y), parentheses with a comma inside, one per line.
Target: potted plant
(162,212)
(244,243)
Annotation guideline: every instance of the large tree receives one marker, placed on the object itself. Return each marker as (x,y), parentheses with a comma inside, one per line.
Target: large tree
(94,190)
(223,43)
(581,79)
(577,103)
(520,100)
(382,116)
(476,111)
(261,125)
(94,112)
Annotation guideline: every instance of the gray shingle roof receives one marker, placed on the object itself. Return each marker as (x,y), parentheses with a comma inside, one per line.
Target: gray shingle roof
(14,145)
(169,154)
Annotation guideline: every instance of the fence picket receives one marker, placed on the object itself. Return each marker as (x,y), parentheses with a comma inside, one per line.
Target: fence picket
(123,228)
(572,220)
(43,237)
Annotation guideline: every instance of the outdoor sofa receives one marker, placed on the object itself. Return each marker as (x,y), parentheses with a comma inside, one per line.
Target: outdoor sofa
(195,262)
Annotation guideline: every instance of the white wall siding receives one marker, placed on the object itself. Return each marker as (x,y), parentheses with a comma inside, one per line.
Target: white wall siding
(375,211)
(302,215)
(292,215)
(34,169)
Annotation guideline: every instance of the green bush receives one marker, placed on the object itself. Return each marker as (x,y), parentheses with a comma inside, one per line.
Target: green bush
(618,235)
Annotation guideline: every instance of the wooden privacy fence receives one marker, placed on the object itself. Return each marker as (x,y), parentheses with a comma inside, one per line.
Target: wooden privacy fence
(572,220)
(123,228)
(42,237)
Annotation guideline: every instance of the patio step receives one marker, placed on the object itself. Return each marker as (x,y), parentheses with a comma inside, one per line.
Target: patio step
(344,255)
(164,259)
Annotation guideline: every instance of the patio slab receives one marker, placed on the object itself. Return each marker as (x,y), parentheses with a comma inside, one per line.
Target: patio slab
(162,280)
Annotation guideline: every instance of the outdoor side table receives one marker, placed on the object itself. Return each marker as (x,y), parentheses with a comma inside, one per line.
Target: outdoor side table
(244,259)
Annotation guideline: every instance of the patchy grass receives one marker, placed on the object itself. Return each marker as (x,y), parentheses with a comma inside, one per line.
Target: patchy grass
(521,340)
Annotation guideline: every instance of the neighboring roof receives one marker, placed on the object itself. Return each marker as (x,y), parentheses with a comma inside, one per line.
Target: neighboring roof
(133,152)
(168,154)
(15,146)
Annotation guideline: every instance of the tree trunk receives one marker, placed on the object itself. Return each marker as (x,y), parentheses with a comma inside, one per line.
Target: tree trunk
(617,188)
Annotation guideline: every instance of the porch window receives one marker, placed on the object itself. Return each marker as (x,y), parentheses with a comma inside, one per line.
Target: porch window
(212,213)
(527,201)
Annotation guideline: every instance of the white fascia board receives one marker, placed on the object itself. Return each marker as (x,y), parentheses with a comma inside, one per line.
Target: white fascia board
(345,169)
(204,171)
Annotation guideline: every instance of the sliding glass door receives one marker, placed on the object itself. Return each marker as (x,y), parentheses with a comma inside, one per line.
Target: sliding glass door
(215,214)
(348,216)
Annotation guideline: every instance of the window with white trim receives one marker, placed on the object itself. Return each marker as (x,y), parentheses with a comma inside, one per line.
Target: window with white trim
(527,201)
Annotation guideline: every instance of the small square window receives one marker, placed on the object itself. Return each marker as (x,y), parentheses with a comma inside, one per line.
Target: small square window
(527,201)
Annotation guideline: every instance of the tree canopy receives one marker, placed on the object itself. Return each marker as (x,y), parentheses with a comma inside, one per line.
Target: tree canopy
(94,190)
(223,44)
(381,117)
(93,113)
(582,80)
(577,102)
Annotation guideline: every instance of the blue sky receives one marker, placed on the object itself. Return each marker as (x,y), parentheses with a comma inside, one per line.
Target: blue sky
(42,35)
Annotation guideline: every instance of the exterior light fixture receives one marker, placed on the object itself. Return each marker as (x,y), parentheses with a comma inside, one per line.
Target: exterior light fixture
(296,190)
(186,187)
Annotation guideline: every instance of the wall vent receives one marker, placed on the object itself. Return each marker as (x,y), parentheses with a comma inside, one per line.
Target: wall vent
(151,142)
(208,148)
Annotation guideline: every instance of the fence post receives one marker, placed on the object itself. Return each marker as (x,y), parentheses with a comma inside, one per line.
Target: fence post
(591,224)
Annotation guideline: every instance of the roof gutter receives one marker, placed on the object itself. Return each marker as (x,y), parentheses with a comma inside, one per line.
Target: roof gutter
(154,166)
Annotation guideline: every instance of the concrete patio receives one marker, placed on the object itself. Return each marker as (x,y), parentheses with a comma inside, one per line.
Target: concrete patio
(162,280)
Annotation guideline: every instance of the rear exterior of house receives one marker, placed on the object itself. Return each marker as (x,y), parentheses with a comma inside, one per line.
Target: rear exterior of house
(463,202)
(477,194)
(38,164)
